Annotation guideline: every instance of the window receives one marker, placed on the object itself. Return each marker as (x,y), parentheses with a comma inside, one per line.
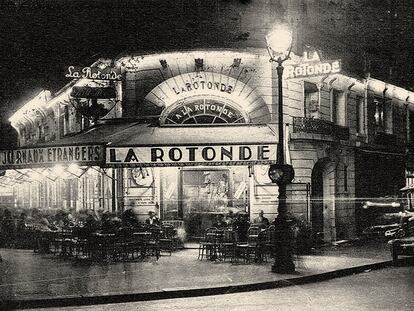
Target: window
(311,100)
(40,132)
(383,115)
(345,178)
(411,132)
(338,107)
(379,114)
(360,115)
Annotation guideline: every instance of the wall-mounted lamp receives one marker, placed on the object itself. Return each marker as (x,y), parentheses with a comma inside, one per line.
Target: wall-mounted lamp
(163,63)
(250,170)
(236,62)
(332,81)
(199,63)
(384,91)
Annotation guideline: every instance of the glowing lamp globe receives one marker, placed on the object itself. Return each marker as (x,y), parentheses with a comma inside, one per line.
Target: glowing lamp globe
(279,40)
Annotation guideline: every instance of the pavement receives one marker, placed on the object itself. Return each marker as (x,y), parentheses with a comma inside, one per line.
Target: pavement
(351,293)
(34,280)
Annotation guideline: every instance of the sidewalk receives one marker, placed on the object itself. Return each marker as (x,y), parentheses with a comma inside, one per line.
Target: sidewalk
(25,276)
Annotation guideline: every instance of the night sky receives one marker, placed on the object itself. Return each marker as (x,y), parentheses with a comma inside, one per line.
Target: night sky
(39,38)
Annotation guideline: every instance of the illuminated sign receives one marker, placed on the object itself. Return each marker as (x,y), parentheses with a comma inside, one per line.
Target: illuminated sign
(93,92)
(180,88)
(309,69)
(46,156)
(202,111)
(93,73)
(191,155)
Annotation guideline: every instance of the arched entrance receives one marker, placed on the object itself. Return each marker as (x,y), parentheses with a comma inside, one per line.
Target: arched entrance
(323,200)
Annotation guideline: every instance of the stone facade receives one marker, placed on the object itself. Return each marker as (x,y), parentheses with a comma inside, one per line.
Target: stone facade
(331,122)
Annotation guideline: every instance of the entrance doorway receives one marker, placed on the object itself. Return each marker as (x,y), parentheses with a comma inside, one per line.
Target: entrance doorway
(322,200)
(204,195)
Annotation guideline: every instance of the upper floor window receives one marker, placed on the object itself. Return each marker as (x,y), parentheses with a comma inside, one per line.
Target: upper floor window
(411,126)
(383,115)
(379,113)
(311,100)
(338,107)
(40,132)
(360,115)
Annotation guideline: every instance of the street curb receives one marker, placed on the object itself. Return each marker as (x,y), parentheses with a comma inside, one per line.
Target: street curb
(185,293)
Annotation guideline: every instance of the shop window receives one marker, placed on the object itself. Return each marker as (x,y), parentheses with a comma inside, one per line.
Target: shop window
(198,196)
(311,100)
(338,107)
(360,115)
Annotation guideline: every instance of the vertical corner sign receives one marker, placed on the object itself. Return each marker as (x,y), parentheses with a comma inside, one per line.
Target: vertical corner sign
(311,69)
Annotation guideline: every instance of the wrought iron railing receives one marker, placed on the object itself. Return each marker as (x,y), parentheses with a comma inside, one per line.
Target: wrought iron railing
(383,138)
(319,126)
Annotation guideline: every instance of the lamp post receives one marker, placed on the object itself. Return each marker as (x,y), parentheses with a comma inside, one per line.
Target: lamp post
(279,46)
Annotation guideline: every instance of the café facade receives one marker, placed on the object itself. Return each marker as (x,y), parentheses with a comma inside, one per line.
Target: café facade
(191,135)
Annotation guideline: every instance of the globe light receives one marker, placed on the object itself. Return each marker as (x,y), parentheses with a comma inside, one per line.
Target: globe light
(279,40)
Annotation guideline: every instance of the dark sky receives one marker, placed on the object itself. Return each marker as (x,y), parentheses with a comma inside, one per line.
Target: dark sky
(39,38)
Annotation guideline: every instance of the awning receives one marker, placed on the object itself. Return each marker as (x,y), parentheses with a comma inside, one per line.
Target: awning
(407,188)
(146,135)
(143,145)
(122,143)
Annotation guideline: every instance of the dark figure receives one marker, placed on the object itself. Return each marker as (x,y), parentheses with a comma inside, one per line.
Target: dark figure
(8,228)
(229,219)
(129,219)
(21,222)
(261,221)
(110,223)
(152,219)
(241,226)
(91,224)
(220,223)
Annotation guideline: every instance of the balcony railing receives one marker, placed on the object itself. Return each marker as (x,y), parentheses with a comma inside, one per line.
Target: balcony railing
(318,126)
(383,138)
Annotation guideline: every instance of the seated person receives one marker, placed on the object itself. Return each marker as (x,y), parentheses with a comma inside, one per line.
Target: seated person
(261,221)
(220,223)
(152,219)
(229,219)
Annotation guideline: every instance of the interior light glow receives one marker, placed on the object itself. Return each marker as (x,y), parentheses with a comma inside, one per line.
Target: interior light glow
(58,170)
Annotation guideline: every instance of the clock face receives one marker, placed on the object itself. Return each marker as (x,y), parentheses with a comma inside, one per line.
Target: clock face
(142,177)
(261,174)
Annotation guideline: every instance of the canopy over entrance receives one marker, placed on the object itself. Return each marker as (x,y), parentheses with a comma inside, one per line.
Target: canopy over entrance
(134,144)
(142,145)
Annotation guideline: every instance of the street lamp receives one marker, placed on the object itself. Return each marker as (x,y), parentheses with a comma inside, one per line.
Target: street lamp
(279,46)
